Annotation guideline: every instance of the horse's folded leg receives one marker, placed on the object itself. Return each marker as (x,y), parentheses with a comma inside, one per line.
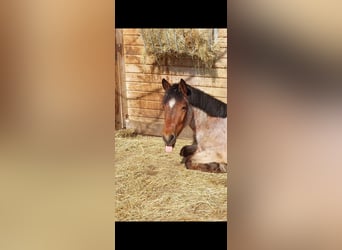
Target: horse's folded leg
(183,160)
(188,150)
(188,163)
(212,167)
(222,168)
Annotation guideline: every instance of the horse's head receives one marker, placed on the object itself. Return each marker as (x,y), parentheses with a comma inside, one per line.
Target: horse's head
(176,111)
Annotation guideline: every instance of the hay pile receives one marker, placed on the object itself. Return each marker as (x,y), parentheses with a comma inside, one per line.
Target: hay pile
(195,43)
(125,133)
(152,185)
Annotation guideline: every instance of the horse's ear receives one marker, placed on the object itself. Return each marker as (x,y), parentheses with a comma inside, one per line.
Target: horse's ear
(166,84)
(183,88)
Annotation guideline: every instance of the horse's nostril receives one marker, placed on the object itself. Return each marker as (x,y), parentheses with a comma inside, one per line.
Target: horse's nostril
(169,140)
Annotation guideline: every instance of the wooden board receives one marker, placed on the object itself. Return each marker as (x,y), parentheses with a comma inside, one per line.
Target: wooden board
(156,128)
(157,88)
(181,62)
(143,104)
(194,81)
(120,82)
(190,71)
(150,113)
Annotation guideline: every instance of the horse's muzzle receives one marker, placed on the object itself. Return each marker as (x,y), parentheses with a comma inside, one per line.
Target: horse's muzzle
(169,140)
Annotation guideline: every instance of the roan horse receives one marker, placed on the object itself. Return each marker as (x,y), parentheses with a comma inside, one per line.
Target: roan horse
(207,117)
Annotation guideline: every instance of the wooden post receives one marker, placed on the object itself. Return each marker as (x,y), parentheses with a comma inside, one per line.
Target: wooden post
(120,82)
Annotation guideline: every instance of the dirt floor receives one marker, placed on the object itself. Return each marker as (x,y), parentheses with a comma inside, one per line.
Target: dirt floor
(152,185)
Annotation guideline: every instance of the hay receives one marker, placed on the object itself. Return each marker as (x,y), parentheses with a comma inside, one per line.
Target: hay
(152,185)
(195,43)
(125,133)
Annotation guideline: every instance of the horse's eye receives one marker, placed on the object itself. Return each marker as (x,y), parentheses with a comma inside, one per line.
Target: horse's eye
(184,108)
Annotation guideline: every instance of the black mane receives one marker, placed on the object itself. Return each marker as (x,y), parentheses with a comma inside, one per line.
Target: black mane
(197,98)
(207,103)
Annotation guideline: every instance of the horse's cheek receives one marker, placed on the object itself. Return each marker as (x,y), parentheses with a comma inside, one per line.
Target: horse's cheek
(179,126)
(183,121)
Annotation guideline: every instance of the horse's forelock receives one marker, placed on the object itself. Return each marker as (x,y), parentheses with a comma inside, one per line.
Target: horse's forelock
(173,92)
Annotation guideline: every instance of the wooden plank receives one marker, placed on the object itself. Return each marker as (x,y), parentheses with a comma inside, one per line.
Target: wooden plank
(131,31)
(145,87)
(143,104)
(138,59)
(155,105)
(136,39)
(216,92)
(223,53)
(150,86)
(187,62)
(146,119)
(147,96)
(196,81)
(222,44)
(222,33)
(157,88)
(221,40)
(146,128)
(145,112)
(147,69)
(120,90)
(134,50)
(155,129)
(221,63)
(223,99)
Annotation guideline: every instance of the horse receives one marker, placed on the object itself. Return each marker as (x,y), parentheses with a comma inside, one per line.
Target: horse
(185,105)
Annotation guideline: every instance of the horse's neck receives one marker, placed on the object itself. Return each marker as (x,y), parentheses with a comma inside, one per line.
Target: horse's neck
(197,118)
(209,132)
(191,123)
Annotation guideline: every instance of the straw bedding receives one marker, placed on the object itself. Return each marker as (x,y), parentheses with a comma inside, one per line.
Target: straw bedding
(151,185)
